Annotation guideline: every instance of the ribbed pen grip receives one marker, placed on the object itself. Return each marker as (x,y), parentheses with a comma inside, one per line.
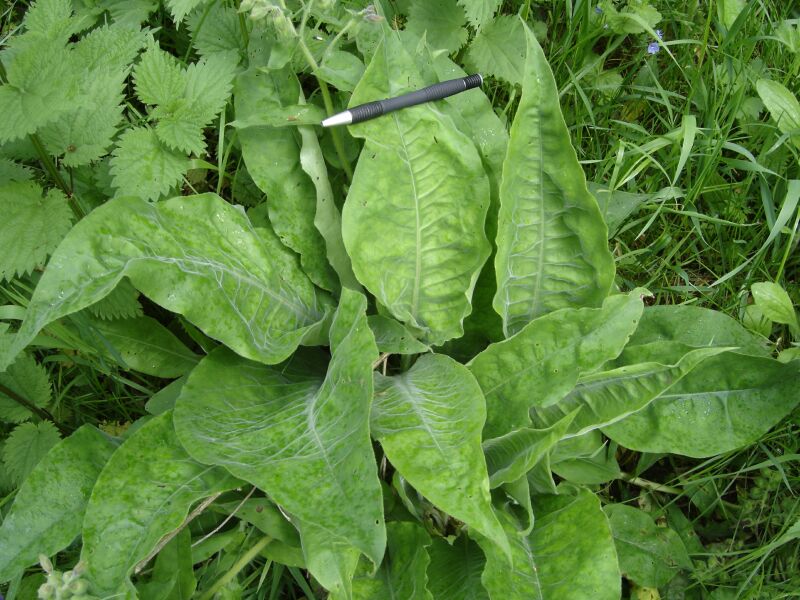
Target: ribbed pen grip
(436,91)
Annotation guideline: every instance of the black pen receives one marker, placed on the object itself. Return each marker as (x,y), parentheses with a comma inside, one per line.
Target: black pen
(437,91)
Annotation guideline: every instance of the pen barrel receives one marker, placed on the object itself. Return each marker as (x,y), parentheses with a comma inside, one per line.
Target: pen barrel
(436,91)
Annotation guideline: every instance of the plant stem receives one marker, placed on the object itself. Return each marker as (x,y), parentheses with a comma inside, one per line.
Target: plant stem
(39,412)
(50,167)
(651,485)
(238,566)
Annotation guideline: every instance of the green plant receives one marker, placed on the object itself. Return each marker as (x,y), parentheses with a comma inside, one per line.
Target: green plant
(379,372)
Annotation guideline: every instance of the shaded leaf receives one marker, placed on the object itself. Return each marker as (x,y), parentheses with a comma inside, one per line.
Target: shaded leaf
(454,572)
(440,21)
(27,379)
(392,337)
(25,446)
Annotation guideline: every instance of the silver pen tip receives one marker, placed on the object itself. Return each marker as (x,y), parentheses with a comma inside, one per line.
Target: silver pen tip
(343,118)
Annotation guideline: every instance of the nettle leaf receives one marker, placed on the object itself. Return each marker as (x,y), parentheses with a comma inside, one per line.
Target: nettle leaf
(551,240)
(48,509)
(570,553)
(194,255)
(636,17)
(403,572)
(121,303)
(648,555)
(145,167)
(272,158)
(731,401)
(499,49)
(144,492)
(32,226)
(431,205)
(27,379)
(26,445)
(180,8)
(455,570)
(609,396)
(12,171)
(215,29)
(542,363)
(479,12)
(440,21)
(301,438)
(511,456)
(145,346)
(429,421)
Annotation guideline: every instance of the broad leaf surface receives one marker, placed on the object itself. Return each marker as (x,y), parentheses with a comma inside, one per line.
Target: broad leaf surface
(454,572)
(393,337)
(48,508)
(648,555)
(272,156)
(302,439)
(429,421)
(551,240)
(570,553)
(144,492)
(195,255)
(542,363)
(609,396)
(414,216)
(730,401)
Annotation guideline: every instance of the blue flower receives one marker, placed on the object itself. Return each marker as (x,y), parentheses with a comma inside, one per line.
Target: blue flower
(653,48)
(598,10)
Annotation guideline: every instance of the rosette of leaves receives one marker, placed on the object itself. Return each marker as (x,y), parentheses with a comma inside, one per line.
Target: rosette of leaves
(370,433)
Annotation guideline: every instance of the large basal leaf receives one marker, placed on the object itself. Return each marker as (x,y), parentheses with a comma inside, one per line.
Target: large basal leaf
(454,572)
(511,456)
(48,509)
(609,396)
(144,492)
(301,438)
(194,255)
(272,156)
(145,345)
(728,402)
(403,573)
(569,555)
(551,240)
(542,363)
(429,421)
(414,217)
(649,555)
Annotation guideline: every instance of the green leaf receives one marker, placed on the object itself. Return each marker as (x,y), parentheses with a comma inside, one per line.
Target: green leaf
(609,396)
(648,555)
(12,171)
(480,11)
(413,219)
(158,77)
(586,460)
(428,421)
(729,10)
(144,492)
(27,379)
(301,438)
(341,69)
(130,13)
(392,337)
(440,21)
(660,324)
(180,8)
(775,303)
(782,106)
(511,456)
(32,226)
(194,255)
(48,509)
(143,166)
(147,346)
(570,553)
(272,159)
(542,363)
(454,572)
(636,17)
(25,446)
(730,402)
(499,50)
(215,29)
(121,303)
(551,240)
(403,573)
(173,571)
